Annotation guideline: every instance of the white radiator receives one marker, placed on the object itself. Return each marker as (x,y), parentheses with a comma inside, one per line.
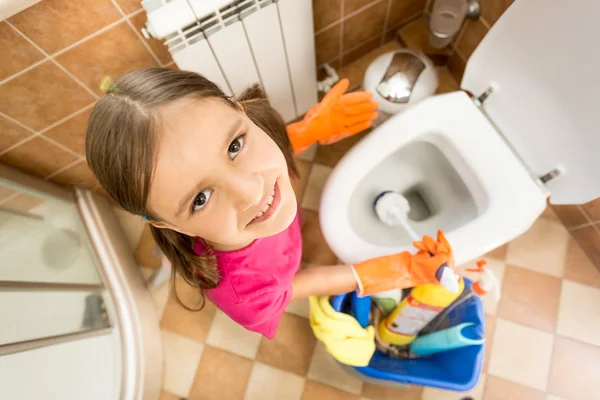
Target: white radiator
(238,43)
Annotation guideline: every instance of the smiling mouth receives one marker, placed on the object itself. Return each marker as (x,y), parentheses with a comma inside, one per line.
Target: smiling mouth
(271,205)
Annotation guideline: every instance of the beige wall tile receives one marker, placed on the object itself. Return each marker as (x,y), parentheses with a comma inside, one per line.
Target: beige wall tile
(327,45)
(160,50)
(570,215)
(71,133)
(530,298)
(589,240)
(191,324)
(380,392)
(437,394)
(500,389)
(365,25)
(77,175)
(17,53)
(578,313)
(227,334)
(325,369)
(37,97)
(38,157)
(11,133)
(575,369)
(129,6)
(493,9)
(292,347)
(521,354)
(111,53)
(55,24)
(315,250)
(181,356)
(325,13)
(220,376)
(402,10)
(542,248)
(317,391)
(473,33)
(270,383)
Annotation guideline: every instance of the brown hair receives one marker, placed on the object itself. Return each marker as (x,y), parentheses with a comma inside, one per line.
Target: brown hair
(120,150)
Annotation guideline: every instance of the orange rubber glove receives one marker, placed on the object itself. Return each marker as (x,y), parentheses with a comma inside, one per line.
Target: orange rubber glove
(336,117)
(404,270)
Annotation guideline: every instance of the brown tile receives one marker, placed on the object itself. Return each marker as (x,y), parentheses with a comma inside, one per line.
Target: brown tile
(129,6)
(377,392)
(575,371)
(327,44)
(530,298)
(77,175)
(353,73)
(570,215)
(317,391)
(17,53)
(589,240)
(325,13)
(111,53)
(456,66)
(356,53)
(299,184)
(365,25)
(11,133)
(403,10)
(23,202)
(292,348)
(447,83)
(352,5)
(192,324)
(549,213)
(55,24)
(220,376)
(71,133)
(474,31)
(36,98)
(157,46)
(169,396)
(368,58)
(490,326)
(315,250)
(579,268)
(331,154)
(416,36)
(494,9)
(5,193)
(500,389)
(592,209)
(38,157)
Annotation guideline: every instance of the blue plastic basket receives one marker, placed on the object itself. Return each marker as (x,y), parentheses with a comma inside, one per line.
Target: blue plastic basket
(457,370)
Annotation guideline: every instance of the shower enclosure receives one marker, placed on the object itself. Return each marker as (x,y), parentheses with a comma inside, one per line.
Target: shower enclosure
(76,320)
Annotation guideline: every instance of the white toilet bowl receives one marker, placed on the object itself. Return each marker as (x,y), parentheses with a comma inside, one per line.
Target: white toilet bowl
(481,169)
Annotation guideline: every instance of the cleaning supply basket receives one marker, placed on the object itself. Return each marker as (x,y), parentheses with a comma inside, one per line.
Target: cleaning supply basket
(457,370)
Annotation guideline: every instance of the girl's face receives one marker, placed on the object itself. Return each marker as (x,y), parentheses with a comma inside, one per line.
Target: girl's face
(218,176)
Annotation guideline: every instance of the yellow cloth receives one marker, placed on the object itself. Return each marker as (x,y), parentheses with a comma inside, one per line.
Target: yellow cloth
(344,338)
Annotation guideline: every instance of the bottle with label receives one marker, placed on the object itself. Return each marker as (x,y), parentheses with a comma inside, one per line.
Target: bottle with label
(418,309)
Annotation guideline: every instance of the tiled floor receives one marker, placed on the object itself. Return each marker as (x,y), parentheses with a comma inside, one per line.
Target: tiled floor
(543,337)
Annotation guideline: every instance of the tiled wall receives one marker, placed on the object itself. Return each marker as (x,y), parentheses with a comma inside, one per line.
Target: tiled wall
(345,30)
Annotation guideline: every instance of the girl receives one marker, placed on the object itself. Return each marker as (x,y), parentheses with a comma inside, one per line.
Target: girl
(211,175)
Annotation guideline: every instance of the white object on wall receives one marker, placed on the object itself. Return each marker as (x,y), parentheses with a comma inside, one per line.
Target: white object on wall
(239,43)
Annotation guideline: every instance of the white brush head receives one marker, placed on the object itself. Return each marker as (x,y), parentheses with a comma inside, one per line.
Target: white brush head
(392,208)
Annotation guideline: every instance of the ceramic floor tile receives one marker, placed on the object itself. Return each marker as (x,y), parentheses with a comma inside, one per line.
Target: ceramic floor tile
(500,389)
(192,324)
(299,184)
(160,297)
(316,180)
(521,354)
(498,253)
(331,154)
(575,372)
(315,250)
(436,394)
(317,391)
(530,298)
(490,304)
(379,392)
(169,396)
(299,307)
(554,397)
(325,369)
(292,347)
(228,335)
(490,327)
(182,356)
(132,226)
(268,383)
(578,313)
(542,248)
(308,154)
(579,268)
(220,376)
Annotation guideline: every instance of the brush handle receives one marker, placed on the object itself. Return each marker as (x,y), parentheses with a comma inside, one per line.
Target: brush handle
(411,232)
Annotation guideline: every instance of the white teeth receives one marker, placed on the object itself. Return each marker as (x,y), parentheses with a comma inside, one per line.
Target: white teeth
(269,203)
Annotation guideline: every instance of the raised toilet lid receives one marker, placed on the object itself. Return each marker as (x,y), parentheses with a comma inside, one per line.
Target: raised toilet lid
(542,55)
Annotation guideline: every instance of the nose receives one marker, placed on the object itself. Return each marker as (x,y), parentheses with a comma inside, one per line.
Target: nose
(247,190)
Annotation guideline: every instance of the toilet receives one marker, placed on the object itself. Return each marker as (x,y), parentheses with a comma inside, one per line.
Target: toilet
(481,163)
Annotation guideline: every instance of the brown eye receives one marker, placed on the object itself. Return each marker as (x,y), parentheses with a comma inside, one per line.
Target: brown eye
(201,199)
(235,147)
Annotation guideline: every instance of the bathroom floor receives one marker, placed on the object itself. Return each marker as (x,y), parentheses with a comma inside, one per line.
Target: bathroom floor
(543,336)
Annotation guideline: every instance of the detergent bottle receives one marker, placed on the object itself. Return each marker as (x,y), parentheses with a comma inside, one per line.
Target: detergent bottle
(419,308)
